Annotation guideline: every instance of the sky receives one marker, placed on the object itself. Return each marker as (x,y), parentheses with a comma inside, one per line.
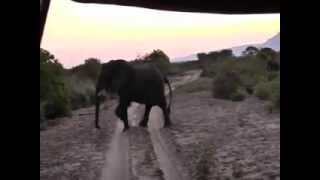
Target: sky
(75,31)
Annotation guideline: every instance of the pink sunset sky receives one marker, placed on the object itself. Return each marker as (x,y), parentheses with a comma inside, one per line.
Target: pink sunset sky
(75,31)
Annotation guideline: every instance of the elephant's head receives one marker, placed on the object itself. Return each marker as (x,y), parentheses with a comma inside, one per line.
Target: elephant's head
(115,76)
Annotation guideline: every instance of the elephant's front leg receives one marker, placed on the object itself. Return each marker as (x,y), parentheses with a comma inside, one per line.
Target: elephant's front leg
(121,112)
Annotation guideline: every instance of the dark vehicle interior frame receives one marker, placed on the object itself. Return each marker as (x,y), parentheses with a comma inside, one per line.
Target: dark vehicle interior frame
(210,6)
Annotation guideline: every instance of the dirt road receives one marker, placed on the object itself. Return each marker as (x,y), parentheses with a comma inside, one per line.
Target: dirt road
(210,139)
(118,162)
(117,158)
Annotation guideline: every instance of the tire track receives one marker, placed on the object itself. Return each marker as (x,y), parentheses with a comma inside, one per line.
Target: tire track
(143,154)
(170,166)
(117,164)
(165,158)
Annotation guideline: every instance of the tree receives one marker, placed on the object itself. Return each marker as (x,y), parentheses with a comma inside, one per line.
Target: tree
(250,51)
(158,58)
(90,69)
(92,66)
(267,53)
(201,56)
(53,93)
(225,53)
(213,55)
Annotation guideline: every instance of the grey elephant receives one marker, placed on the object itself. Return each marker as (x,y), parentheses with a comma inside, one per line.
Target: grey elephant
(141,83)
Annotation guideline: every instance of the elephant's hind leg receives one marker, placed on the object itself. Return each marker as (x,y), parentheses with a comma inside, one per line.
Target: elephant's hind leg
(167,121)
(145,119)
(121,112)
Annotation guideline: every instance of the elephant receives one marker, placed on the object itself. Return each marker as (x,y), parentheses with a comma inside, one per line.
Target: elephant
(142,83)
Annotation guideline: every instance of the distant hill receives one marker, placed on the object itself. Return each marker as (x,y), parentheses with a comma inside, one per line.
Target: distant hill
(273,43)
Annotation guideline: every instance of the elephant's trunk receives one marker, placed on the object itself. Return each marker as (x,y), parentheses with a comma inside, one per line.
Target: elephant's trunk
(97,109)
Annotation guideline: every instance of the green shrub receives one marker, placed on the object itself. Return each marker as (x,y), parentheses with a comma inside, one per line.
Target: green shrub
(275,96)
(82,91)
(239,95)
(269,91)
(58,102)
(233,75)
(157,58)
(262,91)
(43,120)
(213,67)
(79,100)
(89,70)
(251,72)
(225,85)
(273,75)
(53,90)
(211,70)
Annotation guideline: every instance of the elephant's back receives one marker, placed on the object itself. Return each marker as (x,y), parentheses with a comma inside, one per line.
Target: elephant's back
(149,84)
(148,73)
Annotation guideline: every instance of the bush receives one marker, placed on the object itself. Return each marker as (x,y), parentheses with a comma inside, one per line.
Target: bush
(273,75)
(89,70)
(269,91)
(42,117)
(58,103)
(251,71)
(213,67)
(225,85)
(210,70)
(262,91)
(239,95)
(79,100)
(215,55)
(52,87)
(235,77)
(157,58)
(275,96)
(275,100)
(82,91)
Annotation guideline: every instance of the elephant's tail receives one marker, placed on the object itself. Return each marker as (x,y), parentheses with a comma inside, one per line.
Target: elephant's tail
(170,93)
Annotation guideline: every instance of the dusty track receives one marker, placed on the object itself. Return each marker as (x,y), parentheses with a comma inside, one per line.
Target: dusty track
(210,139)
(118,162)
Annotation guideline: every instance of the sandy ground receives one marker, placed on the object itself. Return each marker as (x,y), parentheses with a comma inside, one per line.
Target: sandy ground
(74,149)
(210,139)
(223,139)
(143,149)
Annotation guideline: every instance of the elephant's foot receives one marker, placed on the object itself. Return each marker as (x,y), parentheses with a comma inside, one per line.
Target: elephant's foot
(167,124)
(125,128)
